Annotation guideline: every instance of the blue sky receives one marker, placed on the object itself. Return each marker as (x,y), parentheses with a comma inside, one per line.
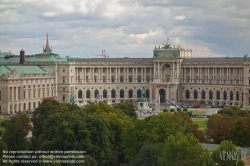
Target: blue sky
(128,28)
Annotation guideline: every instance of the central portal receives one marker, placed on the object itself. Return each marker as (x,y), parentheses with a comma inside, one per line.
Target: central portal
(162,93)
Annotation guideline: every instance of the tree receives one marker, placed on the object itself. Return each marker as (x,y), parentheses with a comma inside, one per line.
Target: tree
(16,131)
(228,111)
(127,107)
(95,129)
(148,155)
(217,127)
(222,155)
(184,150)
(239,132)
(154,130)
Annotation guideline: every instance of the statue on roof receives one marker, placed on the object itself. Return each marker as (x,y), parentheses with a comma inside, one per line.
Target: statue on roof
(245,57)
(68,58)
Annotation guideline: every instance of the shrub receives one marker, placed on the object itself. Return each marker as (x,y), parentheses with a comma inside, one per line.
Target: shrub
(185,109)
(172,110)
(165,110)
(4,123)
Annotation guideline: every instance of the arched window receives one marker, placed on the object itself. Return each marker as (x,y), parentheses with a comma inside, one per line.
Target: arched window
(210,94)
(203,94)
(121,93)
(187,94)
(130,93)
(34,105)
(24,106)
(80,94)
(88,94)
(225,95)
(147,93)
(195,94)
(237,96)
(29,106)
(113,93)
(218,95)
(138,93)
(231,95)
(96,92)
(104,95)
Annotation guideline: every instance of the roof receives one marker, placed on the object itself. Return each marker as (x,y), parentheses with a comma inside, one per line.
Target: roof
(4,70)
(112,60)
(215,59)
(3,54)
(27,69)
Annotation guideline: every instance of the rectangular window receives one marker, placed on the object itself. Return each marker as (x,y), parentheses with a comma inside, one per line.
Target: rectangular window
(63,98)
(24,95)
(63,70)
(63,89)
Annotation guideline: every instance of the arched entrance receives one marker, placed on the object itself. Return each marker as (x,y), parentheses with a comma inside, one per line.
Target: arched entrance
(162,93)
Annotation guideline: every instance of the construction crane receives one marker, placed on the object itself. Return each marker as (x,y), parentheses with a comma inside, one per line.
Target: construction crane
(104,55)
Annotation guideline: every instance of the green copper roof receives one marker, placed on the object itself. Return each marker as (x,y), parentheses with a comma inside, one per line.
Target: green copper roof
(27,69)
(3,54)
(4,70)
(47,57)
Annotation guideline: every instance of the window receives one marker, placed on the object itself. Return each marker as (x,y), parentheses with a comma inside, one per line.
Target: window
(139,79)
(218,95)
(210,95)
(96,92)
(34,93)
(29,94)
(138,93)
(187,94)
(63,98)
(95,79)
(195,94)
(112,79)
(113,93)
(39,93)
(63,80)
(121,79)
(237,96)
(130,78)
(104,79)
(231,95)
(148,79)
(63,89)
(104,93)
(63,70)
(80,94)
(88,94)
(147,93)
(24,94)
(225,95)
(121,93)
(203,94)
(130,93)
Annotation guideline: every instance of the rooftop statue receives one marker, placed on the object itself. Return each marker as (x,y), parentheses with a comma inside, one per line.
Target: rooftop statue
(72,99)
(68,58)
(245,57)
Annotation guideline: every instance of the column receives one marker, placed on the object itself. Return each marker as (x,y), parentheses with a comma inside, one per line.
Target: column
(85,75)
(136,74)
(173,70)
(220,76)
(116,74)
(133,80)
(233,76)
(150,75)
(178,70)
(208,71)
(158,69)
(110,74)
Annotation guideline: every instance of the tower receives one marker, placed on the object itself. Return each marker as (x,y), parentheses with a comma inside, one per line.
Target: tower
(47,48)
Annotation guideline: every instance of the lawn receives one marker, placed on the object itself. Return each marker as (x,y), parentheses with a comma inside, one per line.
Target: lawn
(201,123)
(198,112)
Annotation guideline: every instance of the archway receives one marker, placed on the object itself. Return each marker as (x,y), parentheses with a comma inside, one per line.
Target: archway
(162,93)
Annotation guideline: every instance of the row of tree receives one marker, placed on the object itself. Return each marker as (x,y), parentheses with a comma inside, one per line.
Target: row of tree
(230,124)
(110,135)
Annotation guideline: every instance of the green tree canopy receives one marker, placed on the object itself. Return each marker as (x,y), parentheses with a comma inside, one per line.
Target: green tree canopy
(154,130)
(239,132)
(127,107)
(184,150)
(16,131)
(222,155)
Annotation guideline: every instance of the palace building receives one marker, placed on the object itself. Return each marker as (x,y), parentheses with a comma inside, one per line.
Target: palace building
(171,74)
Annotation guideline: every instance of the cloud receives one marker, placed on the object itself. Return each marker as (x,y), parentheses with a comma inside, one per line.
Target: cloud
(182,17)
(125,28)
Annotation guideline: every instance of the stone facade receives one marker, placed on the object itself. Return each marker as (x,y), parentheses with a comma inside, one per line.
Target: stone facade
(172,74)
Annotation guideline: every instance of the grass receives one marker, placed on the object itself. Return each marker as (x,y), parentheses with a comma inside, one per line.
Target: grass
(201,123)
(197,112)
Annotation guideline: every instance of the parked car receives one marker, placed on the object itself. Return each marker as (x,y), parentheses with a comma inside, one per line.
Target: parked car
(197,106)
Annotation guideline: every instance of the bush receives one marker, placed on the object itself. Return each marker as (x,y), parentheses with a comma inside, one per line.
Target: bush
(185,109)
(4,123)
(1,133)
(165,110)
(172,110)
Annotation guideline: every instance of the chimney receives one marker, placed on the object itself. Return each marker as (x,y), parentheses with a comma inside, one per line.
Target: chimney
(22,60)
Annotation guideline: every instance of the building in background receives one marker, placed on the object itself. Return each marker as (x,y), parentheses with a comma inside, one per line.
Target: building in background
(171,74)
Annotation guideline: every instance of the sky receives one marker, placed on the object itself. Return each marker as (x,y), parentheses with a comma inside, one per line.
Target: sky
(125,28)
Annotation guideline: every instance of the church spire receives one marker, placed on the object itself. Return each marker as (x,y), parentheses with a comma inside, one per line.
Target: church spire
(47,48)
